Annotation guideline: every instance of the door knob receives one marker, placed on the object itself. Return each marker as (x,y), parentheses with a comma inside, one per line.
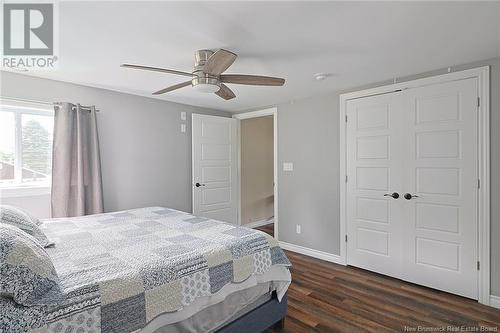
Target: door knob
(395,195)
(198,184)
(408,196)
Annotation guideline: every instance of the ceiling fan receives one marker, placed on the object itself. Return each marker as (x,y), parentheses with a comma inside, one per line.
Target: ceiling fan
(207,74)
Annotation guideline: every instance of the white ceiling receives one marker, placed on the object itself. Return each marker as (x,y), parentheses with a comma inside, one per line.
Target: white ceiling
(358,42)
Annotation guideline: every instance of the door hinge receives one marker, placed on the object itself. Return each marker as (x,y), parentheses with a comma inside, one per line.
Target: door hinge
(479,183)
(346,118)
(478,265)
(346,178)
(478,101)
(346,238)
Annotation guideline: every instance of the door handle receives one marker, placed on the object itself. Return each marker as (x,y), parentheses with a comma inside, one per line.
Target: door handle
(395,195)
(198,184)
(408,196)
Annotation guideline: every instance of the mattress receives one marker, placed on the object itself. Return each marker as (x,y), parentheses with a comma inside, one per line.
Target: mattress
(215,316)
(122,271)
(210,313)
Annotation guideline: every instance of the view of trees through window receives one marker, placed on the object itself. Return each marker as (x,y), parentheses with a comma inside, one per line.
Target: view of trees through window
(36,147)
(25,146)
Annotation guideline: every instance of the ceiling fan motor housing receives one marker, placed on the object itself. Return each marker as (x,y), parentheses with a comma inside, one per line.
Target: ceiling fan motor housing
(201,80)
(200,58)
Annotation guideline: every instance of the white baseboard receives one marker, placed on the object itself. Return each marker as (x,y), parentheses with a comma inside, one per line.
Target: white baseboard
(257,224)
(312,253)
(495,301)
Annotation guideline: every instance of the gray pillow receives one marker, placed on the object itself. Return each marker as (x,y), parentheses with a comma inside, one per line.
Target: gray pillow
(27,274)
(24,221)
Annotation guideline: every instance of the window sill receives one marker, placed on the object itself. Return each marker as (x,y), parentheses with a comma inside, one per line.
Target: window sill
(24,191)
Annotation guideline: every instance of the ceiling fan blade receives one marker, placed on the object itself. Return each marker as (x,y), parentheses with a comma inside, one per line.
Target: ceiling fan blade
(219,62)
(177,86)
(156,69)
(225,92)
(254,80)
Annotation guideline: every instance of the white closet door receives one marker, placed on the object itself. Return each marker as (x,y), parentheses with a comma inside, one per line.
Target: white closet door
(374,157)
(421,143)
(440,168)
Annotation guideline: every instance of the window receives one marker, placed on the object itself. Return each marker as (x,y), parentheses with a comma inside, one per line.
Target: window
(26,132)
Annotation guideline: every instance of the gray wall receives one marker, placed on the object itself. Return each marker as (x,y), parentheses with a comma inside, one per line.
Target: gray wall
(308,136)
(146,160)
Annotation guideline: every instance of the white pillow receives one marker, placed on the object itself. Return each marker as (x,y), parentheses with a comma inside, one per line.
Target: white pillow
(27,274)
(24,221)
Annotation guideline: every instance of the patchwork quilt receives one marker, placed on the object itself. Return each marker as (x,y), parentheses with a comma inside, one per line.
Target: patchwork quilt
(121,270)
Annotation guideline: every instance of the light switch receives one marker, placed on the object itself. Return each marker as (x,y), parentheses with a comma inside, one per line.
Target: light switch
(183,115)
(287,166)
(183,128)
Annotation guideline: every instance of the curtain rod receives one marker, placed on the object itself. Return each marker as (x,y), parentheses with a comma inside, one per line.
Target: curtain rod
(85,107)
(40,102)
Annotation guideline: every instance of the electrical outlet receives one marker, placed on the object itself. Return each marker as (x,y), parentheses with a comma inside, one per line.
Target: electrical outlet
(298,229)
(183,128)
(183,115)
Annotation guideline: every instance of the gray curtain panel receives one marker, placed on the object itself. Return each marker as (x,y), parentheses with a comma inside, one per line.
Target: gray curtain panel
(76,162)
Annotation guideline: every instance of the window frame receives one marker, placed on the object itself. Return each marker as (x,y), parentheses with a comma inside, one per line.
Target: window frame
(18,188)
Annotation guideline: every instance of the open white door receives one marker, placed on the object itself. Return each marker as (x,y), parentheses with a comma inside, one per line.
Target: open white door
(215,168)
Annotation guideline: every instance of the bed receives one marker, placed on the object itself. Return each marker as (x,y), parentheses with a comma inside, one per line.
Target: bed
(158,270)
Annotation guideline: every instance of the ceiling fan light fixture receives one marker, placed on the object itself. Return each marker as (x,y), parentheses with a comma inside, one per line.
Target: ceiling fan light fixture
(206,87)
(206,84)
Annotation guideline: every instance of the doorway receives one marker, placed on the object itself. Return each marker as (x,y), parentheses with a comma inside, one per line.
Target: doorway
(257,170)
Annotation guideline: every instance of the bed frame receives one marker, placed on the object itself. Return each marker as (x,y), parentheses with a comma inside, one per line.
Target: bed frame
(271,313)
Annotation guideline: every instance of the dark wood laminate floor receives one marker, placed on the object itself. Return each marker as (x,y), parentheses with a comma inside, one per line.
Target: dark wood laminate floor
(268,229)
(326,297)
